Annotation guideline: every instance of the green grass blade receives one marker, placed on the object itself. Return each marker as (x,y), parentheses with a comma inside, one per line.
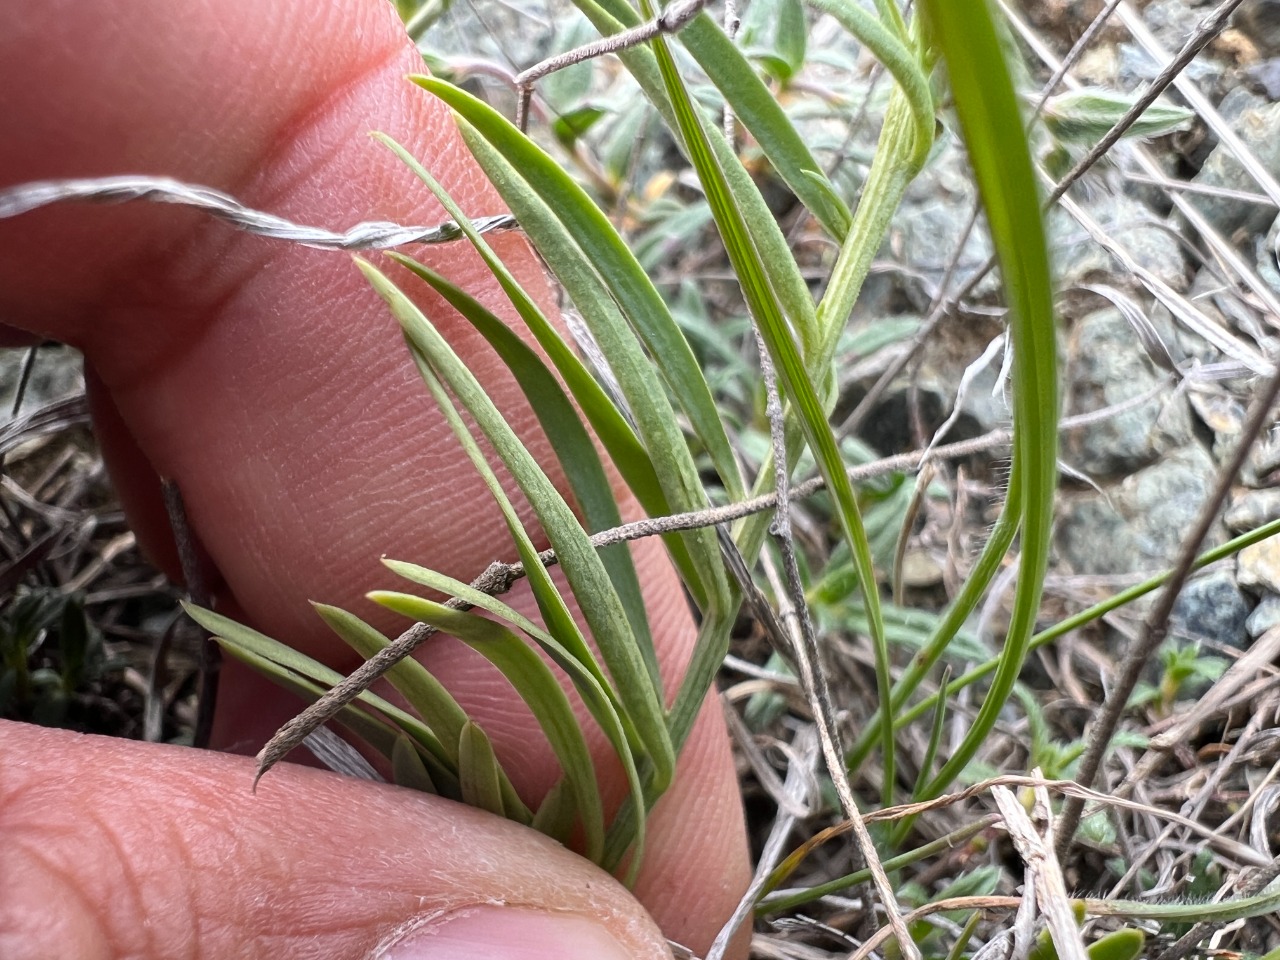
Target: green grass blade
(892,17)
(966,601)
(784,273)
(987,105)
(570,440)
(891,173)
(1086,616)
(935,734)
(537,686)
(678,488)
(894,166)
(786,357)
(596,596)
(759,112)
(709,651)
(662,432)
(629,455)
(596,688)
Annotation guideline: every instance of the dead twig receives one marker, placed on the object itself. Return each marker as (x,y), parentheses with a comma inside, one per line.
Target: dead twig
(193,573)
(674,18)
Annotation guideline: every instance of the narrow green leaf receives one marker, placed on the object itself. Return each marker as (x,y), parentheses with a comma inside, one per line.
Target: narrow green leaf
(378,734)
(901,151)
(478,770)
(792,36)
(966,601)
(602,701)
(935,733)
(568,127)
(706,579)
(987,106)
(569,438)
(630,286)
(596,596)
(284,664)
(423,692)
(892,170)
(407,768)
(594,687)
(557,813)
(786,357)
(758,110)
(537,686)
(678,487)
(1089,615)
(891,16)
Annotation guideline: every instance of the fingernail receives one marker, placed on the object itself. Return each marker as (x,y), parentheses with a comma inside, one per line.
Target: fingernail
(490,932)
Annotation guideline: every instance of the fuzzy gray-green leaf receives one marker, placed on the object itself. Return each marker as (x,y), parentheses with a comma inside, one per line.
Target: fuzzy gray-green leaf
(1083,117)
(560,421)
(423,692)
(596,596)
(478,770)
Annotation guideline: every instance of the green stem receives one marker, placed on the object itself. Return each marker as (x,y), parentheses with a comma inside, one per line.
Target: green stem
(948,842)
(890,45)
(1241,908)
(1088,616)
(975,585)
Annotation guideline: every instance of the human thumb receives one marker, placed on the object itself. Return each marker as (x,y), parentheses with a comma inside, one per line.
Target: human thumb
(111,849)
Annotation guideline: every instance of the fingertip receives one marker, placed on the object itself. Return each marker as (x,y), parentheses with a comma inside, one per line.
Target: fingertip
(110,848)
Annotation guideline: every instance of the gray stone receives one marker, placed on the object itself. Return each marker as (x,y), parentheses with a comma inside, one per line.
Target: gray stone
(1213,608)
(1137,524)
(1252,509)
(1187,344)
(933,216)
(1257,122)
(1172,21)
(1265,616)
(1137,67)
(1221,413)
(1107,367)
(1265,78)
(1258,566)
(1262,465)
(1150,241)
(1264,255)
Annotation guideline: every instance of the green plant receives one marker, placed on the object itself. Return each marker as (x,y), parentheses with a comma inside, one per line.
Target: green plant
(1184,669)
(50,652)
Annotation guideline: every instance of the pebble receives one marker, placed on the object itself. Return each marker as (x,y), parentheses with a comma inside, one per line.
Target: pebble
(1258,566)
(1265,616)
